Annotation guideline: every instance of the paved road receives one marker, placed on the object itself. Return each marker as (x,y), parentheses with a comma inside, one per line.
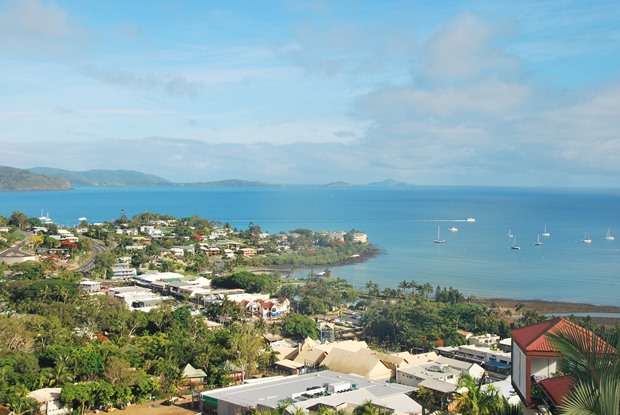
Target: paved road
(98,247)
(16,249)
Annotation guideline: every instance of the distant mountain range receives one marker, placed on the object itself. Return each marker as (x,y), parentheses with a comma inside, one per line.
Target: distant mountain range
(48,178)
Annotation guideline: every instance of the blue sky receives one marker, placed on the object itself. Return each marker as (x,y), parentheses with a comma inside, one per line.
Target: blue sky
(301,91)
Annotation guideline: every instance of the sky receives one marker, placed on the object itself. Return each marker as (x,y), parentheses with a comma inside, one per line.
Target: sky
(308,91)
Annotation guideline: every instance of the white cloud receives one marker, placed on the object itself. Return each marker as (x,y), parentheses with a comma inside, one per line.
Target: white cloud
(466,48)
(38,27)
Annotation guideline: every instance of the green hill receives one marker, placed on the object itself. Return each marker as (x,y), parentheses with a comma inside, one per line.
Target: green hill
(12,179)
(103,178)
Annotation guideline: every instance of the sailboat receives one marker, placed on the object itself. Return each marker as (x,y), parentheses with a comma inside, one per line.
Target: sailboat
(546,233)
(453,229)
(510,234)
(539,241)
(515,246)
(610,236)
(587,239)
(439,240)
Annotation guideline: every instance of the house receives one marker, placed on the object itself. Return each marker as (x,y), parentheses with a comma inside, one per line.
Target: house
(308,393)
(504,388)
(271,308)
(359,237)
(6,229)
(535,358)
(248,252)
(192,375)
(49,401)
(90,287)
(484,339)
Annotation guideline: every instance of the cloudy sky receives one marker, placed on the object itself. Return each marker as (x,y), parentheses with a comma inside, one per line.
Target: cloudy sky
(302,91)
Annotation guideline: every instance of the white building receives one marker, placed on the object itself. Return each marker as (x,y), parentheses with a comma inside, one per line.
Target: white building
(483,355)
(359,237)
(123,272)
(484,339)
(90,287)
(437,368)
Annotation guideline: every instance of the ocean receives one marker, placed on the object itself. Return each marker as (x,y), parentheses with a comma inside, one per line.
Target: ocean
(477,259)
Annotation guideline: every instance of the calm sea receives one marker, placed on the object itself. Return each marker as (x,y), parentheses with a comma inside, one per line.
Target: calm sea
(477,259)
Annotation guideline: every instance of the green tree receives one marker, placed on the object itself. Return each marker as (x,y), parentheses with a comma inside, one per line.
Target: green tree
(299,327)
(595,365)
(474,400)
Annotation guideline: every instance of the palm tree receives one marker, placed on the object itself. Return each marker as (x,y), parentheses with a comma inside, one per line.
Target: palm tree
(474,400)
(594,364)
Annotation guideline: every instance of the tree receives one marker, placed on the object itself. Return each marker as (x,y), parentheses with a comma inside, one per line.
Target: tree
(19,220)
(475,400)
(299,327)
(19,402)
(595,365)
(246,345)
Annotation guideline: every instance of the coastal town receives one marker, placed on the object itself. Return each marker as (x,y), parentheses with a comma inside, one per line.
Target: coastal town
(167,314)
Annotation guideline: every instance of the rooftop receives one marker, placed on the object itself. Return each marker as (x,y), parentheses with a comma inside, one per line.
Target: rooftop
(270,392)
(557,388)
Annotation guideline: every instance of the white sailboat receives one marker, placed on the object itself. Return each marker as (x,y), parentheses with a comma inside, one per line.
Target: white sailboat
(539,241)
(610,236)
(439,240)
(453,229)
(515,246)
(546,232)
(586,239)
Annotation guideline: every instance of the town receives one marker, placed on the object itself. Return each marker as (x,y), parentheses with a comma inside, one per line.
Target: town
(191,315)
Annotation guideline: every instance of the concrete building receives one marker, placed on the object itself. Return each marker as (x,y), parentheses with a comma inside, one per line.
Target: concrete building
(492,358)
(484,340)
(123,272)
(309,392)
(90,287)
(439,368)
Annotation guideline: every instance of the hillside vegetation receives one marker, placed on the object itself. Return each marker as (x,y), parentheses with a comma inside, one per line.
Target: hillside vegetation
(12,179)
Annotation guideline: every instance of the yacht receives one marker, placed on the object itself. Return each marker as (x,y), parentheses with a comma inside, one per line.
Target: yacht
(510,234)
(453,229)
(470,220)
(45,219)
(539,241)
(610,236)
(546,233)
(587,239)
(515,246)
(439,240)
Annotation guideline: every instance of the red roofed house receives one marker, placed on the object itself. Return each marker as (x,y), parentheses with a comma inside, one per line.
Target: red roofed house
(534,358)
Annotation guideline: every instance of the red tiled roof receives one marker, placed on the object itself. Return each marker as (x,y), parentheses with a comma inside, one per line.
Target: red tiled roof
(557,389)
(534,338)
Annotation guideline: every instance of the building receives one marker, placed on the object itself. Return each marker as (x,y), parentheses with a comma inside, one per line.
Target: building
(138,298)
(123,272)
(494,359)
(309,392)
(271,308)
(363,362)
(484,340)
(359,237)
(438,369)
(90,287)
(248,252)
(535,358)
(49,401)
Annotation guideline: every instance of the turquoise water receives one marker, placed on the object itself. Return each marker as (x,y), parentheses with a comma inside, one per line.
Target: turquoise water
(477,259)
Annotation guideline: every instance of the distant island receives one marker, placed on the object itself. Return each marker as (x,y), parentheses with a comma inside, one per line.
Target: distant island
(12,179)
(102,178)
(49,178)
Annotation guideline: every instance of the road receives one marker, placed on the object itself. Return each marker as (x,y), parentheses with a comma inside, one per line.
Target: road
(98,247)
(16,250)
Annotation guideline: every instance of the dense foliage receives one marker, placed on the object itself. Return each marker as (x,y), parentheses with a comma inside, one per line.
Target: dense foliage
(249,281)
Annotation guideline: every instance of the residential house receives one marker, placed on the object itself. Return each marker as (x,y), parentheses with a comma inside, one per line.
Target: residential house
(439,369)
(535,358)
(247,252)
(90,287)
(123,272)
(484,340)
(359,237)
